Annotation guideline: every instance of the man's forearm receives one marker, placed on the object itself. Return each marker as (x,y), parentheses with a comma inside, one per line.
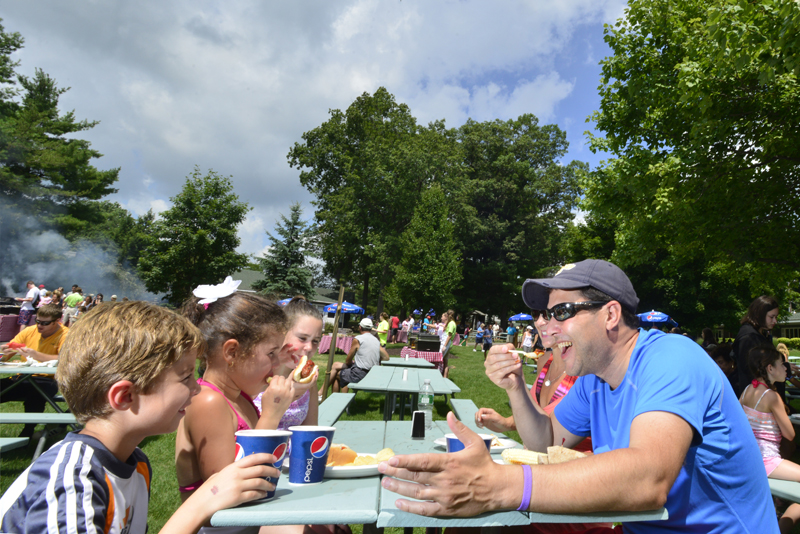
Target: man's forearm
(534,427)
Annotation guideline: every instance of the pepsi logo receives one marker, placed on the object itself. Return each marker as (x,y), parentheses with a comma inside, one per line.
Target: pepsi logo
(319,447)
(239,453)
(279,452)
(650,317)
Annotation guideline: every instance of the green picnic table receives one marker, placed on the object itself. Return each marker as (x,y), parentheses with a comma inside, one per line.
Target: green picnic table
(402,381)
(409,362)
(364,501)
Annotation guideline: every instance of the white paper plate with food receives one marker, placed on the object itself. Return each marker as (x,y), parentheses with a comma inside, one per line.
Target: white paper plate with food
(498,444)
(367,466)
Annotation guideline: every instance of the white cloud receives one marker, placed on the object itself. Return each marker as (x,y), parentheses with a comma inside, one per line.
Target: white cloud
(231,86)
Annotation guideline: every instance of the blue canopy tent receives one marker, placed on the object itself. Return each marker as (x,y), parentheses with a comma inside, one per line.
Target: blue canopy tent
(283,302)
(346,308)
(521,317)
(656,317)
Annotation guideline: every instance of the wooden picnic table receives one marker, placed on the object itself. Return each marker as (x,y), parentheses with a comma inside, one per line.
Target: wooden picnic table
(409,362)
(364,501)
(389,381)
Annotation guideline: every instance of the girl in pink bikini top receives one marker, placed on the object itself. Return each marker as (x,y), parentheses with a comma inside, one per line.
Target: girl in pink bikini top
(244,333)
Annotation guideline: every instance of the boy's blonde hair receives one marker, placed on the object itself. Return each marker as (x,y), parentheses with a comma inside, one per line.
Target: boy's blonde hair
(783,349)
(135,341)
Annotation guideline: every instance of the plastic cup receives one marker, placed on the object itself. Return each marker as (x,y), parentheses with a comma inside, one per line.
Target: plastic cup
(454,444)
(309,454)
(270,441)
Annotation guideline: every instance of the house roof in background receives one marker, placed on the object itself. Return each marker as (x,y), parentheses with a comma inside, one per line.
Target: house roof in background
(250,277)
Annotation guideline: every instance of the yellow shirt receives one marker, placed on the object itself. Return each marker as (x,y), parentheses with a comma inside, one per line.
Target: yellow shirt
(49,345)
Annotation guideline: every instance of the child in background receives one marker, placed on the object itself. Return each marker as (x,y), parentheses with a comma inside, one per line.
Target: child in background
(766,413)
(527,339)
(488,339)
(127,373)
(304,334)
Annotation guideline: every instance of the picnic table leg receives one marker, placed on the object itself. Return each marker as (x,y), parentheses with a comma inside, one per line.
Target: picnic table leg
(402,406)
(372,528)
(50,401)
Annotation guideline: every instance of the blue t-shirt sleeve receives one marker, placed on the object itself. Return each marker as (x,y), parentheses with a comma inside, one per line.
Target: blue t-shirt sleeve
(667,383)
(573,410)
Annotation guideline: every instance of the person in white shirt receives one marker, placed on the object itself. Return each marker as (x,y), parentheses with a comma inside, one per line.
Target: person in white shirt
(27,310)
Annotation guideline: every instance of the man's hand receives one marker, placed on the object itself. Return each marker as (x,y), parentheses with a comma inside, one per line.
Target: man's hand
(504,368)
(463,484)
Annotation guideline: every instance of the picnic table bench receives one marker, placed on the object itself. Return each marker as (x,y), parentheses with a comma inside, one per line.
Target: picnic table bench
(8,444)
(332,407)
(785,489)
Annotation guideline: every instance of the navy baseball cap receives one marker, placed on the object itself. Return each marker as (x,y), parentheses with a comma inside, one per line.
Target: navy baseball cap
(598,274)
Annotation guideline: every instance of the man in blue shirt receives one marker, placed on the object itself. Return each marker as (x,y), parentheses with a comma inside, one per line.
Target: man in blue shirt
(666,427)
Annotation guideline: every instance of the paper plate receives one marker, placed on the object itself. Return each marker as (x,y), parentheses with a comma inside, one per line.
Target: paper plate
(346,471)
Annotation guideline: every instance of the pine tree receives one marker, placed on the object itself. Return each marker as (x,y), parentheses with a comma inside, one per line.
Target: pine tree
(284,266)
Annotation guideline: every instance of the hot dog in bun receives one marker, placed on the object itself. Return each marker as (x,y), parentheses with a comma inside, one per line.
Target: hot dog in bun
(304,370)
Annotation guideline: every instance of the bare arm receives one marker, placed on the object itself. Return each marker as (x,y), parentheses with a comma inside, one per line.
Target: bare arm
(537,429)
(352,353)
(468,483)
(384,355)
(312,417)
(211,425)
(775,405)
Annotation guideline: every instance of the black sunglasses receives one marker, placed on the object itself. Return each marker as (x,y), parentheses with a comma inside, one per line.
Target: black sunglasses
(566,310)
(45,323)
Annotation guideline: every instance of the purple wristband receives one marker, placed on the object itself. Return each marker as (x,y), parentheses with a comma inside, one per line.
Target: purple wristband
(527,486)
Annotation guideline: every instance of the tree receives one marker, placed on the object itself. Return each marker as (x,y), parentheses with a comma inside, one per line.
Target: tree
(511,205)
(195,240)
(430,269)
(365,170)
(284,266)
(700,104)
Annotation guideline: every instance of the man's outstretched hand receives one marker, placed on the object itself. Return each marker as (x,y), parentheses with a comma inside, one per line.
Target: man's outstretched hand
(462,484)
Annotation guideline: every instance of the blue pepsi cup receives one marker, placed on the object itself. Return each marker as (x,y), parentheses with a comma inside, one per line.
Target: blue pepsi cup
(454,444)
(272,442)
(310,446)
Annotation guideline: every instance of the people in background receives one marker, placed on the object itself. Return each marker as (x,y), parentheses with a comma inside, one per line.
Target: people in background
(29,302)
(757,324)
(43,343)
(365,353)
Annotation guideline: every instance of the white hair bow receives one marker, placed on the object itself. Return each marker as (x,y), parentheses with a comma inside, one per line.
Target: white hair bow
(209,294)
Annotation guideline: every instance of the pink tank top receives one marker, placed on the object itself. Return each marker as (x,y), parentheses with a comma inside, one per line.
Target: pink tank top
(241,424)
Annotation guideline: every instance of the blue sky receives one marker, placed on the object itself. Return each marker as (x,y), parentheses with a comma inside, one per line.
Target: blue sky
(231,86)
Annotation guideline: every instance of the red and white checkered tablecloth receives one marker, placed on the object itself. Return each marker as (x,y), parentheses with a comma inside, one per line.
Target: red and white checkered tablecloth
(343,343)
(433,357)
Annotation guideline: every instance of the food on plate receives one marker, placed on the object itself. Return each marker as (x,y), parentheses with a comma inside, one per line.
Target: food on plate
(522,456)
(495,441)
(341,455)
(304,371)
(14,346)
(365,460)
(384,454)
(558,454)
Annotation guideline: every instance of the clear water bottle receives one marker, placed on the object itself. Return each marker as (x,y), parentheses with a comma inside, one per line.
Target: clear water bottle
(426,402)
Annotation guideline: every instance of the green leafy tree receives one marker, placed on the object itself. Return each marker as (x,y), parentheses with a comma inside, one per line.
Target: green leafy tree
(512,203)
(45,171)
(284,266)
(365,168)
(700,104)
(194,242)
(430,269)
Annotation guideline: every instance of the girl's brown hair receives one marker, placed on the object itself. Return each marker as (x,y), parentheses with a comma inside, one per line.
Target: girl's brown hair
(757,312)
(760,358)
(299,307)
(246,317)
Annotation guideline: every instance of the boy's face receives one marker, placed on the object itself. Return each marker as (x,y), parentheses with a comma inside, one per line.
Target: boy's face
(166,404)
(726,366)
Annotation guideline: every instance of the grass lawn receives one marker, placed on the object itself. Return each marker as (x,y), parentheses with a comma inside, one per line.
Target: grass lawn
(466,370)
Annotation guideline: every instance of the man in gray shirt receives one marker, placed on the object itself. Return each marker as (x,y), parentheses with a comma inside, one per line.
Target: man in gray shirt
(365,352)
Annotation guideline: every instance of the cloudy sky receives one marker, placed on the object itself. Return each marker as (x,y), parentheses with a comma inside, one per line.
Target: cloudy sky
(232,85)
